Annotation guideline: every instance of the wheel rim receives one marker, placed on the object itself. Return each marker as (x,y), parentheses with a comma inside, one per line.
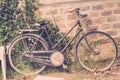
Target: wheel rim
(17,60)
(107,52)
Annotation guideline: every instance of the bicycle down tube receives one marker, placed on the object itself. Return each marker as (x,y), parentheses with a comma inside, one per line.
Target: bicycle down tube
(54,46)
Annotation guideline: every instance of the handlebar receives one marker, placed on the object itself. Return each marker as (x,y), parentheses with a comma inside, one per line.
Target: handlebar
(77,10)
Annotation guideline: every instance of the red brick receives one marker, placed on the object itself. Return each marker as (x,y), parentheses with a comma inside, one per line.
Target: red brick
(71,17)
(73,32)
(107,13)
(97,7)
(112,32)
(112,18)
(67,11)
(62,27)
(109,5)
(106,26)
(60,19)
(117,11)
(118,4)
(99,21)
(94,14)
(41,12)
(117,25)
(61,11)
(89,22)
(71,10)
(52,11)
(71,23)
(85,8)
(89,28)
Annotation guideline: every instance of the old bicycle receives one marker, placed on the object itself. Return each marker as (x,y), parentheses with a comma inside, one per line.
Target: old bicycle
(95,50)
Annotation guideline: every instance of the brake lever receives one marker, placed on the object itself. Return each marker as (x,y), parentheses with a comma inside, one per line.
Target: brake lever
(77,10)
(84,15)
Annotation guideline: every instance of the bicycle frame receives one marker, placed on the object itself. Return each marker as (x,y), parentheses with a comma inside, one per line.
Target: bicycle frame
(64,48)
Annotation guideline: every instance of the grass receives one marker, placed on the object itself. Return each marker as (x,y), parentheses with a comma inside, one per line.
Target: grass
(74,72)
(82,75)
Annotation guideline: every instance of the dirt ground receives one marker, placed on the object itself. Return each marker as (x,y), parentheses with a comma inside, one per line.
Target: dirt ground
(112,74)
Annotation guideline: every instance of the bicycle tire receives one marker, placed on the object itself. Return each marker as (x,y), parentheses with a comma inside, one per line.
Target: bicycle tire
(17,46)
(96,51)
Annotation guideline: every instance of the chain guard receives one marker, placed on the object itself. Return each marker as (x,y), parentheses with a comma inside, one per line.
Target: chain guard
(57,59)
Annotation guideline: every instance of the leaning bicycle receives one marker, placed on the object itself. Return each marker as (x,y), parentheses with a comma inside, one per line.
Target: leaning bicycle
(30,53)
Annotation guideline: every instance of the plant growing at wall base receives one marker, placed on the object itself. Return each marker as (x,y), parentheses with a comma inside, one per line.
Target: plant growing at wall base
(12,16)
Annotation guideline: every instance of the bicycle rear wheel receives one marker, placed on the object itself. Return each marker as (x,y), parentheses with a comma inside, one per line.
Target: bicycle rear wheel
(96,51)
(26,43)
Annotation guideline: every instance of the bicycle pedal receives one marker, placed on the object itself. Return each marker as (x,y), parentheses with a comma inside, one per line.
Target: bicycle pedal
(65,66)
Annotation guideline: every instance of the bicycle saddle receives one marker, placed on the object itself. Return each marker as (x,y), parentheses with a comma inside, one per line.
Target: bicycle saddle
(42,23)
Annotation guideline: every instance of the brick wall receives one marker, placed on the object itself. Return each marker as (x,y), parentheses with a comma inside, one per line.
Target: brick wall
(104,14)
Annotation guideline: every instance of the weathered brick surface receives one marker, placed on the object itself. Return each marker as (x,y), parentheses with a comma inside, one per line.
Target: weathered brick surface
(118,4)
(97,7)
(104,14)
(52,11)
(94,15)
(116,25)
(105,27)
(109,6)
(99,21)
(117,11)
(112,18)
(112,32)
(85,8)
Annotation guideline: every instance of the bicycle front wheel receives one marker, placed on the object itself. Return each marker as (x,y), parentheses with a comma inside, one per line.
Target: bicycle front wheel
(20,52)
(96,51)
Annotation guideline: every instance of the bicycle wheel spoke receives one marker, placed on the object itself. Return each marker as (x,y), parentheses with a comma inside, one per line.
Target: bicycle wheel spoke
(24,43)
(34,45)
(96,51)
(20,53)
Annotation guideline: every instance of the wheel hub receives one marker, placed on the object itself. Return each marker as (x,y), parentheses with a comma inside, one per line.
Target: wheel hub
(96,52)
